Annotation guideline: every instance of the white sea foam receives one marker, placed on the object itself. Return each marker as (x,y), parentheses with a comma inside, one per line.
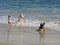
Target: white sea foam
(31,23)
(53,25)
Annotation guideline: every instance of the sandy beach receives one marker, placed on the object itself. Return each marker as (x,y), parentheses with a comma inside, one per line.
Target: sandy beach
(28,36)
(5,44)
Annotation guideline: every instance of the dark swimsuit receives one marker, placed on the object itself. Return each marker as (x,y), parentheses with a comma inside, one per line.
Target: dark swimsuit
(9,22)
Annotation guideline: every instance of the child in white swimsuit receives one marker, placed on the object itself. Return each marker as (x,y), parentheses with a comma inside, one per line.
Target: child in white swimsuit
(9,19)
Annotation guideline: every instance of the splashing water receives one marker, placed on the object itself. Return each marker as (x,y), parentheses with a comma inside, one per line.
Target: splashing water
(31,23)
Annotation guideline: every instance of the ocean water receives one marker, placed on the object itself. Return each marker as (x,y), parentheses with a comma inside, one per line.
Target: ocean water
(35,12)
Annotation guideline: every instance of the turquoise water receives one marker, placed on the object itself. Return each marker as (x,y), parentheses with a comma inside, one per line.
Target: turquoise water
(36,9)
(35,12)
(20,4)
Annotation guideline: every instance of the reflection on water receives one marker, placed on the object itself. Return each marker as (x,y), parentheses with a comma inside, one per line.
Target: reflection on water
(42,33)
(42,36)
(28,36)
(9,28)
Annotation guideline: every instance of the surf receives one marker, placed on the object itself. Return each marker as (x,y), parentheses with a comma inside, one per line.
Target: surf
(31,22)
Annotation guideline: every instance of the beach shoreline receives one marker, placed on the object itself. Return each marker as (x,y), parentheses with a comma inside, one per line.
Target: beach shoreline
(21,35)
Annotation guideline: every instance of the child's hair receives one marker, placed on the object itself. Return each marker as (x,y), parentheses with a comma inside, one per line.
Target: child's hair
(8,15)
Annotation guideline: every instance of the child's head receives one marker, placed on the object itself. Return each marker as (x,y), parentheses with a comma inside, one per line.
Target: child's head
(8,15)
(21,15)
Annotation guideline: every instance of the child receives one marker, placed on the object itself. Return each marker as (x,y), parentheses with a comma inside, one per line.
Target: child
(9,25)
(9,21)
(41,26)
(21,18)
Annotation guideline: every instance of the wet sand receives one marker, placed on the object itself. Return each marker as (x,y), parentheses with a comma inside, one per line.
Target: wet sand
(5,44)
(28,36)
